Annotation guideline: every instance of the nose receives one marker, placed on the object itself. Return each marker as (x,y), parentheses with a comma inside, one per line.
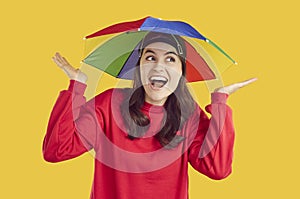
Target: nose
(159,66)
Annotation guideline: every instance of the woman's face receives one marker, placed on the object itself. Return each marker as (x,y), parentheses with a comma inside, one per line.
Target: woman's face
(160,70)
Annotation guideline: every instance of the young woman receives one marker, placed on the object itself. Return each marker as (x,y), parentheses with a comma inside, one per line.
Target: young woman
(145,136)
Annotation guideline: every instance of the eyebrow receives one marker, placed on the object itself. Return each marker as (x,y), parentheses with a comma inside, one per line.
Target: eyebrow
(169,52)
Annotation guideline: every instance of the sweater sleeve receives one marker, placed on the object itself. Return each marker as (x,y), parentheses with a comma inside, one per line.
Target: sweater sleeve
(211,151)
(71,128)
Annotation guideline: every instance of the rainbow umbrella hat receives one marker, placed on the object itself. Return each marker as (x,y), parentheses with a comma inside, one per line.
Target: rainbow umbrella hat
(115,49)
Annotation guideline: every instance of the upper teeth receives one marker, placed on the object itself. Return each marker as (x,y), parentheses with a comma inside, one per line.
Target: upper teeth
(158,78)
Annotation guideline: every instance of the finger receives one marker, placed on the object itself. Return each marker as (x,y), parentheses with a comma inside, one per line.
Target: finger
(61,61)
(56,58)
(60,58)
(57,62)
(65,61)
(57,55)
(245,83)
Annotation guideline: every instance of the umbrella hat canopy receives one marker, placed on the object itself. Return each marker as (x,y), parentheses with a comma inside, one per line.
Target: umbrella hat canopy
(116,49)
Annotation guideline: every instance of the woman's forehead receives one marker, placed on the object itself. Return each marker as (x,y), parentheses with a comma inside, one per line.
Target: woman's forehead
(160,47)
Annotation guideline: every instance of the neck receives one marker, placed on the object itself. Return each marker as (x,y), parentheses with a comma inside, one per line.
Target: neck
(160,102)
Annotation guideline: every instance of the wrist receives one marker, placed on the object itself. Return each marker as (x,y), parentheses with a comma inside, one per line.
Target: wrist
(221,90)
(80,77)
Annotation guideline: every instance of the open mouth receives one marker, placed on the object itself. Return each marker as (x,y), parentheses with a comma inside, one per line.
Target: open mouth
(158,81)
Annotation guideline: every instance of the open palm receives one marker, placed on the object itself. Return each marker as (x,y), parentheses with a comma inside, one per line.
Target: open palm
(234,87)
(70,71)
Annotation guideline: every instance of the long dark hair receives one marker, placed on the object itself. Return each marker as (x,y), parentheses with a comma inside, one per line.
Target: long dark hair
(178,107)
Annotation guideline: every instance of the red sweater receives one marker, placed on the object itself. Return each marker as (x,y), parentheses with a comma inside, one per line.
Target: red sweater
(139,168)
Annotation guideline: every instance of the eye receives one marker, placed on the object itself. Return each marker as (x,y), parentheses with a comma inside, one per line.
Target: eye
(150,58)
(171,59)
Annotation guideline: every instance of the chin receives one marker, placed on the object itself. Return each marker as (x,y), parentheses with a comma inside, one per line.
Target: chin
(157,97)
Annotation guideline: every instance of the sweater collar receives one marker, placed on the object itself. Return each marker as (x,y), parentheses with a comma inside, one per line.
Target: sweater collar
(153,108)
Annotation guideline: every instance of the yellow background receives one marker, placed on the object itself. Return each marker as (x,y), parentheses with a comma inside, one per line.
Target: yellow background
(263,36)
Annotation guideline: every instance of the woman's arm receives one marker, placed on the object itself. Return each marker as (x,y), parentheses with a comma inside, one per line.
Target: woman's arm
(72,126)
(211,151)
(212,148)
(69,135)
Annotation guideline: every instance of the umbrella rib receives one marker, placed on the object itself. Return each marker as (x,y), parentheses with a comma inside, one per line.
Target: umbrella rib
(222,51)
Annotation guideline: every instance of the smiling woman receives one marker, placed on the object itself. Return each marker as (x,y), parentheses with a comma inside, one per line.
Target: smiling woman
(145,136)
